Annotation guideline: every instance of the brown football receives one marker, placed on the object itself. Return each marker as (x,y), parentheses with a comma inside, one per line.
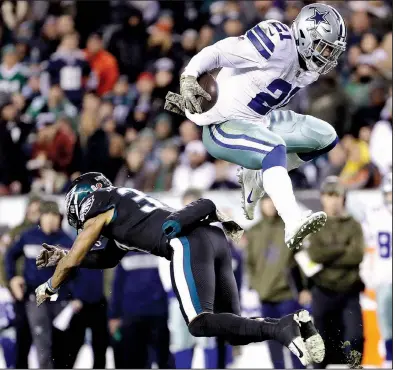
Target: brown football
(208,83)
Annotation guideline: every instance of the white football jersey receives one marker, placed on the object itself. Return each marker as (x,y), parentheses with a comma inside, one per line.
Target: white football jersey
(260,72)
(378,231)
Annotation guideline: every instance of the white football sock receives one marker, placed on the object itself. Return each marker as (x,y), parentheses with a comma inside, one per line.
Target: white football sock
(293,162)
(278,186)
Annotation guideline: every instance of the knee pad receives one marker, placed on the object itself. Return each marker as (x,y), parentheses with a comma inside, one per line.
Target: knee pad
(197,327)
(320,132)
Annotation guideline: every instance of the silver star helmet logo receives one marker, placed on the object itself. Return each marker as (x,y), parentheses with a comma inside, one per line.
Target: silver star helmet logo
(318,17)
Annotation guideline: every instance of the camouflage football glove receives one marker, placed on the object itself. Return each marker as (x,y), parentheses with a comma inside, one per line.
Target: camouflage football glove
(45,291)
(232,229)
(49,256)
(190,89)
(175,103)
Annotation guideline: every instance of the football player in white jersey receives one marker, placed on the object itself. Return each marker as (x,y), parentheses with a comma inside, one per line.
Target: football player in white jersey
(378,226)
(259,73)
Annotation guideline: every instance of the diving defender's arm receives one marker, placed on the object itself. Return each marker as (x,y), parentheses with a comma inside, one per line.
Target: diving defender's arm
(84,242)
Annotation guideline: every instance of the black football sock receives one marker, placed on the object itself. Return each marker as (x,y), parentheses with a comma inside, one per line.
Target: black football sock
(235,329)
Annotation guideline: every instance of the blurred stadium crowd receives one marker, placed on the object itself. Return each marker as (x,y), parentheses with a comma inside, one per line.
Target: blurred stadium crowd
(82,88)
(81,93)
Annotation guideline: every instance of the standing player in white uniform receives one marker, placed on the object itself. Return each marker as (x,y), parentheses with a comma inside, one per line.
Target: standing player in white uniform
(260,72)
(378,227)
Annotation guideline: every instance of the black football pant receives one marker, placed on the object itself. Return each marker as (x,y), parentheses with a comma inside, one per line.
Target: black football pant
(338,318)
(205,286)
(143,339)
(93,316)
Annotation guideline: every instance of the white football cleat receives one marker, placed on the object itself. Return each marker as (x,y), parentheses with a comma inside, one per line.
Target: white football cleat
(250,191)
(309,223)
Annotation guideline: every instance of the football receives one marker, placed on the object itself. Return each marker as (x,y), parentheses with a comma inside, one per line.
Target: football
(208,83)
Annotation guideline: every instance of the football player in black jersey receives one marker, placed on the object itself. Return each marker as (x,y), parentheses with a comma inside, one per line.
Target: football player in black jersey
(201,263)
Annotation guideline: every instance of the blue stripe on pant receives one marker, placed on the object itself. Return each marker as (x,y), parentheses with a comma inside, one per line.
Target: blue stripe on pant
(188,274)
(229,142)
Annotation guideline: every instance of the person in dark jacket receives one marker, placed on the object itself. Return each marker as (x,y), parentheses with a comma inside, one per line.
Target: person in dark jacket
(13,133)
(128,44)
(48,340)
(23,335)
(268,260)
(88,291)
(339,249)
(138,314)
(69,69)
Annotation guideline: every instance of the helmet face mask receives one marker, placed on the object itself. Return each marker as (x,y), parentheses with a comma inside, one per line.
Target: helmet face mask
(320,35)
(79,190)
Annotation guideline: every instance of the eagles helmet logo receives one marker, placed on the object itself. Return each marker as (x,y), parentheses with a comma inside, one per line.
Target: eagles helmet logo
(85,207)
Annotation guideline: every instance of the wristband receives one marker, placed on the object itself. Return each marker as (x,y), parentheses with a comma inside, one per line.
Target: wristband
(50,288)
(171,228)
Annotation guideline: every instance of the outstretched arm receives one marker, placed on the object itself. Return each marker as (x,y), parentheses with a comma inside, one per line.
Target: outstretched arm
(84,242)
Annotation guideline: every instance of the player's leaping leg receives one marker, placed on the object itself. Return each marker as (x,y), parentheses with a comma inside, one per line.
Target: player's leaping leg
(255,147)
(203,280)
(306,138)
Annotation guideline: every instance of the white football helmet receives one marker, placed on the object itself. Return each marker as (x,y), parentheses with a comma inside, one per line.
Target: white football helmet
(320,34)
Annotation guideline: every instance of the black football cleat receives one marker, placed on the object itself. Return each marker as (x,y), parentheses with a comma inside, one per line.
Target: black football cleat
(288,333)
(313,340)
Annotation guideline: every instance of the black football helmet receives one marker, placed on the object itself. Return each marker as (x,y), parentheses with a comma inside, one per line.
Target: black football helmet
(80,188)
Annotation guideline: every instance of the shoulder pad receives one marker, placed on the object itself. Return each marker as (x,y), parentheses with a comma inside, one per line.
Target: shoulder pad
(267,36)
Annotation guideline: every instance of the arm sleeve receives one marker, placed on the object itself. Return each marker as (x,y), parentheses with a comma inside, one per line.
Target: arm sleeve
(232,52)
(12,254)
(115,307)
(353,255)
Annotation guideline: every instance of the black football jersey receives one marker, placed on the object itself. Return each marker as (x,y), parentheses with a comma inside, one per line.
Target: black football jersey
(137,221)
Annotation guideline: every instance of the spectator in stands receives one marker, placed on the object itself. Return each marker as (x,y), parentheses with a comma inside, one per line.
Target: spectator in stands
(160,176)
(123,98)
(359,172)
(50,342)
(55,103)
(52,152)
(13,75)
(197,172)
(102,63)
(13,134)
(91,312)
(69,69)
(93,140)
(23,335)
(47,42)
(134,173)
(116,153)
(13,13)
(138,314)
(268,262)
(336,161)
(225,176)
(65,25)
(163,127)
(128,44)
(339,248)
